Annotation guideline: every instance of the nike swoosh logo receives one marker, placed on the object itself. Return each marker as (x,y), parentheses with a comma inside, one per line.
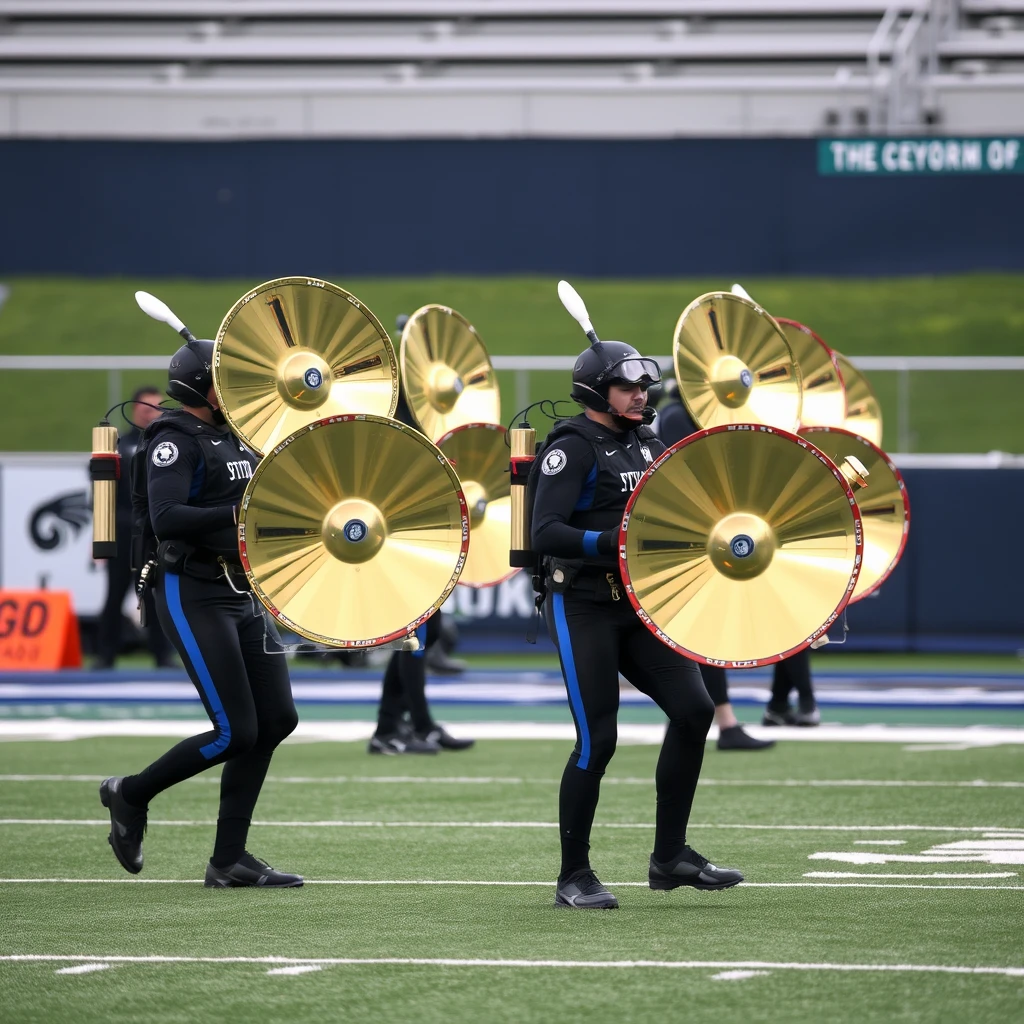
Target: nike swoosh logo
(216,442)
(610,453)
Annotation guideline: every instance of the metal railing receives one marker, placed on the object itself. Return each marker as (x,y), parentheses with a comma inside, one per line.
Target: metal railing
(523,366)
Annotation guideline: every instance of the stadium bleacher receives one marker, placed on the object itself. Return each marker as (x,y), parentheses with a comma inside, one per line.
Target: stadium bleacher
(611,68)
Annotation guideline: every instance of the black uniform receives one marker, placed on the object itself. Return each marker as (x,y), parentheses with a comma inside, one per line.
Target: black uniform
(194,476)
(585,477)
(119,573)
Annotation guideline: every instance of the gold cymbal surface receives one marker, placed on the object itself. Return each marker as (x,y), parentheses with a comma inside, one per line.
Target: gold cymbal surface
(446,373)
(353,530)
(883,502)
(295,350)
(734,365)
(740,545)
(479,455)
(824,394)
(863,411)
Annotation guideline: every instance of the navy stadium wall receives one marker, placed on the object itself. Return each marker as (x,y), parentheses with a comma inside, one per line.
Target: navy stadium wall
(259,209)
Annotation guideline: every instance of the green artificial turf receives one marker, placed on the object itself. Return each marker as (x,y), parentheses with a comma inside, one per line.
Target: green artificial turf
(966,315)
(782,917)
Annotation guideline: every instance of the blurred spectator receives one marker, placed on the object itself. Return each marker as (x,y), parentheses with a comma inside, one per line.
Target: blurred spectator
(144,410)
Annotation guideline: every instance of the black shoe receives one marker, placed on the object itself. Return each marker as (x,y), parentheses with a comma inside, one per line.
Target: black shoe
(734,738)
(776,716)
(807,715)
(690,868)
(401,743)
(127,825)
(444,739)
(440,661)
(582,891)
(249,870)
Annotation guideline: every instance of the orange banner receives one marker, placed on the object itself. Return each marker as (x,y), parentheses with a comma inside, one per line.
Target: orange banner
(38,631)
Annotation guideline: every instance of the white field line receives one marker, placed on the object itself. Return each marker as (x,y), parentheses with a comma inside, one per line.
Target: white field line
(628,733)
(934,874)
(488,780)
(297,969)
(83,969)
(738,975)
(1009,832)
(499,883)
(1014,972)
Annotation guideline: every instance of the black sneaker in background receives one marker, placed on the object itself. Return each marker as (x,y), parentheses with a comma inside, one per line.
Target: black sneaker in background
(582,891)
(777,716)
(690,868)
(401,743)
(127,825)
(736,738)
(249,871)
(445,740)
(807,715)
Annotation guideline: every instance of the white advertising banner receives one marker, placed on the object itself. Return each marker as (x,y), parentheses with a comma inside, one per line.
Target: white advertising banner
(46,528)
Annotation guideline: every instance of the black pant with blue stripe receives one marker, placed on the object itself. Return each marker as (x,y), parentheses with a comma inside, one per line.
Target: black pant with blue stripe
(246,692)
(597,638)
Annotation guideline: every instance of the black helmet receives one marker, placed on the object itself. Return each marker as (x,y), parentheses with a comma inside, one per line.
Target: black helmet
(191,373)
(610,362)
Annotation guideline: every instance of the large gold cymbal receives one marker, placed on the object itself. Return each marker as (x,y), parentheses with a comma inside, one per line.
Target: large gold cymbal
(479,455)
(741,545)
(824,394)
(446,373)
(863,411)
(883,502)
(353,530)
(295,350)
(734,365)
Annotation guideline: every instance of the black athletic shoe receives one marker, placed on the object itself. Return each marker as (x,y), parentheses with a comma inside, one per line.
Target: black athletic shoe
(441,662)
(401,743)
(690,868)
(735,738)
(127,825)
(582,891)
(445,740)
(249,870)
(807,715)
(775,716)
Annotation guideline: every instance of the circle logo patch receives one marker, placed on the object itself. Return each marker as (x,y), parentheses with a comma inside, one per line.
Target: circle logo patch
(313,378)
(354,530)
(742,545)
(553,462)
(746,378)
(165,453)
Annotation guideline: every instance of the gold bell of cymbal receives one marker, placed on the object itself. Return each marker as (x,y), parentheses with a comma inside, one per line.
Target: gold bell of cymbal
(479,455)
(883,501)
(295,350)
(741,545)
(734,365)
(353,531)
(446,372)
(863,411)
(824,393)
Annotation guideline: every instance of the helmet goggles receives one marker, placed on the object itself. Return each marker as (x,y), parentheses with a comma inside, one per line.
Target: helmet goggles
(634,369)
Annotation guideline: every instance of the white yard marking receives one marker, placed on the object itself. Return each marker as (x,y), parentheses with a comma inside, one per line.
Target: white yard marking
(490,884)
(738,975)
(933,874)
(512,780)
(1017,834)
(1014,972)
(297,969)
(83,969)
(1008,850)
(628,733)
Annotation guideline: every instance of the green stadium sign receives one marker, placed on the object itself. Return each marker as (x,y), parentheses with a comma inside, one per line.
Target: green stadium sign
(895,156)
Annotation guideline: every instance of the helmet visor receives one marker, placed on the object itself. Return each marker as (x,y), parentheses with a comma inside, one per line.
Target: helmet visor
(635,370)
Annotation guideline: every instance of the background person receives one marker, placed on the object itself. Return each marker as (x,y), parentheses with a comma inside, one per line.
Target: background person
(142,412)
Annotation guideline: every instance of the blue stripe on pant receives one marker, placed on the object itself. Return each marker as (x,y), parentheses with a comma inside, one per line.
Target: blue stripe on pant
(172,592)
(571,681)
